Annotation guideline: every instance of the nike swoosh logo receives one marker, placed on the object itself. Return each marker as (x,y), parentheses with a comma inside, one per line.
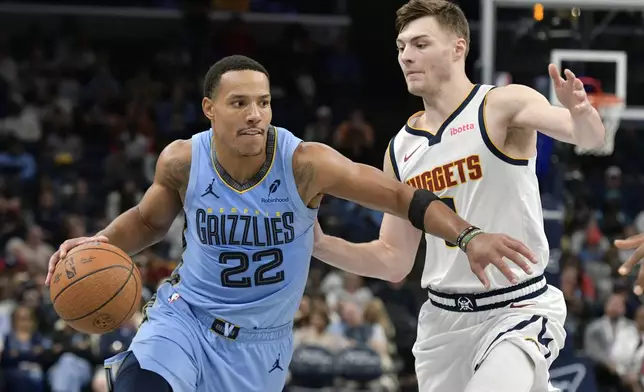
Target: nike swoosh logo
(412,153)
(520,305)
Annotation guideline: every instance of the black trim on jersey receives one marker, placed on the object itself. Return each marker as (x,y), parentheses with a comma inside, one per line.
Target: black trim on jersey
(491,293)
(435,139)
(482,308)
(518,327)
(259,176)
(488,142)
(392,158)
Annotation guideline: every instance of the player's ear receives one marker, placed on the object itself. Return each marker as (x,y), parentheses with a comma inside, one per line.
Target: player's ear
(460,48)
(207,105)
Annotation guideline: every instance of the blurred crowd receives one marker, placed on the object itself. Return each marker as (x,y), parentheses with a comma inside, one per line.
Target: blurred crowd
(81,129)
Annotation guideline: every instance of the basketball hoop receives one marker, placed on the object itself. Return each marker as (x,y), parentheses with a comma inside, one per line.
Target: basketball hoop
(610,109)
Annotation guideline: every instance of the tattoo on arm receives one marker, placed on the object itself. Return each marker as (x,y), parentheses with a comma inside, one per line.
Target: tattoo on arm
(304,173)
(178,172)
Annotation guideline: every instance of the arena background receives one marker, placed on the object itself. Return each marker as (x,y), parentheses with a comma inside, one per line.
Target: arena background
(91,91)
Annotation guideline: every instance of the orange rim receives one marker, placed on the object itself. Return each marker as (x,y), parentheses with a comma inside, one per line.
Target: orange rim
(603,99)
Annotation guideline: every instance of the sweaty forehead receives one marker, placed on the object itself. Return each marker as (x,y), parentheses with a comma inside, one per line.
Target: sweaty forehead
(246,83)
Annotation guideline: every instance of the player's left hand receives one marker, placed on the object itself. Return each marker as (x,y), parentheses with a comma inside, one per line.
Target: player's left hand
(487,248)
(570,91)
(635,242)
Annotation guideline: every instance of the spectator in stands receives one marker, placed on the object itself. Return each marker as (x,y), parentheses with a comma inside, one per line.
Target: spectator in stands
(16,163)
(354,328)
(24,356)
(34,253)
(322,128)
(632,377)
(604,344)
(119,339)
(316,332)
(376,314)
(354,137)
(73,359)
(352,290)
(577,303)
(12,223)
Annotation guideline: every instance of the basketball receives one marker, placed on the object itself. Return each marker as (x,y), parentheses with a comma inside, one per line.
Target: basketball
(95,288)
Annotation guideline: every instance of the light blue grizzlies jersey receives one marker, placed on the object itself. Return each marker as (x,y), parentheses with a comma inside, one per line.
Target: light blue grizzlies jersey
(247,246)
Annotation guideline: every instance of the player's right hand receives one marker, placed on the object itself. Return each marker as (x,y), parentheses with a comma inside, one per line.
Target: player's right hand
(634,242)
(487,248)
(66,247)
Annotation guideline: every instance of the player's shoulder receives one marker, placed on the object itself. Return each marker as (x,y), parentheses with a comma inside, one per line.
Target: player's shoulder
(403,135)
(310,151)
(173,165)
(511,94)
(179,149)
(283,134)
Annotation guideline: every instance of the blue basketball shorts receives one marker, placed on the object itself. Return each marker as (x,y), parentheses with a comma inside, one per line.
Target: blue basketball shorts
(198,352)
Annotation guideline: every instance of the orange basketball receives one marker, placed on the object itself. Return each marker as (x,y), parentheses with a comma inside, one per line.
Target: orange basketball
(95,288)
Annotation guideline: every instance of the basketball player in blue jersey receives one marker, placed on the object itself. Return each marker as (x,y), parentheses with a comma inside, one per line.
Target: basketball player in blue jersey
(250,191)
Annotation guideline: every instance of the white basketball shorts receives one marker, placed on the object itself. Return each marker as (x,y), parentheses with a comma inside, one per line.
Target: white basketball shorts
(456,331)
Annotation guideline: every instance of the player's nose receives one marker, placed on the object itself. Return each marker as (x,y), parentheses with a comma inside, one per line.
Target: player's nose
(406,56)
(254,115)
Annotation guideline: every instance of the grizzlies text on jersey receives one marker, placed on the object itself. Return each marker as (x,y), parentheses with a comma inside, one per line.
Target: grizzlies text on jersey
(248,246)
(232,299)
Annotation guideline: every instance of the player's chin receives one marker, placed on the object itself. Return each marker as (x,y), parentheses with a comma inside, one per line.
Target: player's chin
(415,88)
(252,148)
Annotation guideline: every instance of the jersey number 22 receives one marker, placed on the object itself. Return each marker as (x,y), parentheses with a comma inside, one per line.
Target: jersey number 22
(262,276)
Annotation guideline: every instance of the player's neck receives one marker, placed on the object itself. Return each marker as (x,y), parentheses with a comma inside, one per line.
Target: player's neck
(446,99)
(240,168)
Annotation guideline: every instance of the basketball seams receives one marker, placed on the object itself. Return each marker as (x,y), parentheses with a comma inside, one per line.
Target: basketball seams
(136,290)
(131,271)
(105,303)
(53,301)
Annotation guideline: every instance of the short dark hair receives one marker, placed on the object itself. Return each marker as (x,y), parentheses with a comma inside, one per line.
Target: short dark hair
(227,64)
(448,15)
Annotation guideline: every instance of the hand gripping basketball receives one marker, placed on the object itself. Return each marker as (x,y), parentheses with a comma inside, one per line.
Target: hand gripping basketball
(635,242)
(489,248)
(65,247)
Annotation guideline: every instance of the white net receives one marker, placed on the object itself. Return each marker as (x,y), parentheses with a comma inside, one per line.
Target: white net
(610,109)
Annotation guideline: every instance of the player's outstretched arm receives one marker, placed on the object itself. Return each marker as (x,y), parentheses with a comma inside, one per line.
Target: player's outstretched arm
(390,257)
(577,122)
(319,169)
(149,221)
(635,243)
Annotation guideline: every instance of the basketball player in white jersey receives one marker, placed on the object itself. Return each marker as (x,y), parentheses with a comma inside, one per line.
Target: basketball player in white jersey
(482,329)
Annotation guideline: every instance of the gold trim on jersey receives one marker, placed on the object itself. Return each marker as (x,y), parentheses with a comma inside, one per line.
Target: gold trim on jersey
(271,152)
(449,118)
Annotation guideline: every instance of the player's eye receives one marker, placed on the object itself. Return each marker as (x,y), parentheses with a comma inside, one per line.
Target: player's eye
(238,104)
(264,103)
(421,46)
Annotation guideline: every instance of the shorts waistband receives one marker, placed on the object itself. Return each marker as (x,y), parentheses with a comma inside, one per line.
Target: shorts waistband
(495,299)
(230,331)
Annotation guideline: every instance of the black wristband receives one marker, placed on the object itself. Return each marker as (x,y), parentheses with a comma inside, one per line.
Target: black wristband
(418,206)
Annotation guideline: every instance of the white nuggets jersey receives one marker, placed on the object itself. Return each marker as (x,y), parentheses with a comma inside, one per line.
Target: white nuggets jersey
(461,165)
